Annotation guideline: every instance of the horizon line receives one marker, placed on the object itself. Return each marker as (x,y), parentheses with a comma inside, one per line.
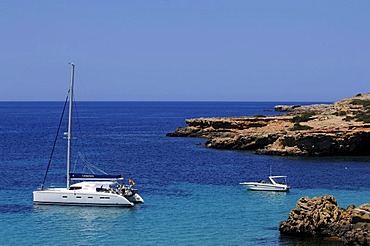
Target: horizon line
(187,101)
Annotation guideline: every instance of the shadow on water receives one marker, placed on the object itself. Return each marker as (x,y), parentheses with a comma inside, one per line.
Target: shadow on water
(82,211)
(303,241)
(270,197)
(169,191)
(15,209)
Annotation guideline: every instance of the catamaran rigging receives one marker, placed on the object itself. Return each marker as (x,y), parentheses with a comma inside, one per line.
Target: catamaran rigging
(89,191)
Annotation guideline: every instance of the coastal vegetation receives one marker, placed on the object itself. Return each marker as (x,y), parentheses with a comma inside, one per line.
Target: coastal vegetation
(304,117)
(365,103)
(340,113)
(362,115)
(298,127)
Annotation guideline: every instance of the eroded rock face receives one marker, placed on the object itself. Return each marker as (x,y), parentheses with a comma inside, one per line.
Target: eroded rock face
(285,108)
(330,129)
(316,144)
(321,217)
(312,217)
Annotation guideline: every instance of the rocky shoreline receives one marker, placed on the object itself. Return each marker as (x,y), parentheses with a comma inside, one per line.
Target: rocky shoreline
(322,218)
(341,128)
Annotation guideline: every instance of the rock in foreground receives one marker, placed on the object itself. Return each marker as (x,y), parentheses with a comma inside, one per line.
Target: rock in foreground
(341,128)
(321,217)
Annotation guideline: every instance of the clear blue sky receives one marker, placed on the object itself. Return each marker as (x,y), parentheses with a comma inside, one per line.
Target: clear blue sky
(219,50)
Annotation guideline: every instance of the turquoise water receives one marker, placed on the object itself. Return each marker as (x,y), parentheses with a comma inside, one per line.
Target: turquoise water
(195,215)
(192,194)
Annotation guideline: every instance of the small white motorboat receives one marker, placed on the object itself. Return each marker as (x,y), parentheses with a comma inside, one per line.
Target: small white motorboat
(275,183)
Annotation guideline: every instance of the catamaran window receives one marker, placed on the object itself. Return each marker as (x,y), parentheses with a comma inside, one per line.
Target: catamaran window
(78,197)
(104,197)
(75,188)
(90,197)
(65,197)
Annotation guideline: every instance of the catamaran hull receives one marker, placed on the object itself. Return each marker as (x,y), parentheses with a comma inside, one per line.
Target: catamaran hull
(265,187)
(69,197)
(135,198)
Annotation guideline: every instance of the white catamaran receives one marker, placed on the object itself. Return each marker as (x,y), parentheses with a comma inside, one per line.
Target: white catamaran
(92,190)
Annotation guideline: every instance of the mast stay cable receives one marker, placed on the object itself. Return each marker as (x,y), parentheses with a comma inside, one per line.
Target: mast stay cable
(55,141)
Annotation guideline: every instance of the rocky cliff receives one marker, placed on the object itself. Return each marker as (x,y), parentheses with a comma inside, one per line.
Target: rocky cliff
(321,217)
(341,128)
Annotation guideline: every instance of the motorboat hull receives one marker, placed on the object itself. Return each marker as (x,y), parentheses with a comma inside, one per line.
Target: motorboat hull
(62,196)
(265,187)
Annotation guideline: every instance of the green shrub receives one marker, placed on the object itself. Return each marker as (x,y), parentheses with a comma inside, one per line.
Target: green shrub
(297,127)
(303,117)
(363,116)
(365,103)
(340,113)
(349,118)
(360,117)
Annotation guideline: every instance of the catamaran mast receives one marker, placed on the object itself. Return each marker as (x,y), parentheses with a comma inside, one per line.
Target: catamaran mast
(69,136)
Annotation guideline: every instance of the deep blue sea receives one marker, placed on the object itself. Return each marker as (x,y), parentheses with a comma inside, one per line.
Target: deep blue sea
(192,194)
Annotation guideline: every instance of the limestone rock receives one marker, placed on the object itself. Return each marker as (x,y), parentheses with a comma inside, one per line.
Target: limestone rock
(315,130)
(321,217)
(285,108)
